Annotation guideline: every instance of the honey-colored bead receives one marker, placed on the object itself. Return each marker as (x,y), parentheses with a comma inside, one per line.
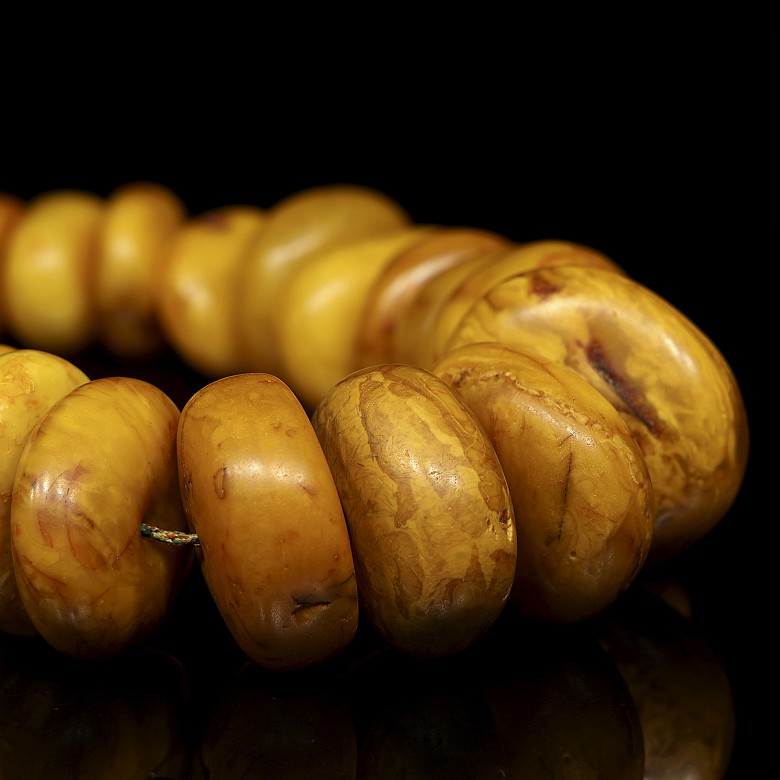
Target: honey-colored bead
(318,317)
(403,276)
(199,284)
(302,223)
(139,222)
(31,381)
(48,276)
(275,550)
(428,508)
(11,210)
(484,276)
(413,336)
(667,379)
(91,583)
(581,490)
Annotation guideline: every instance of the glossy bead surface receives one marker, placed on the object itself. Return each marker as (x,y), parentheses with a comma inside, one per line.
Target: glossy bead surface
(667,379)
(581,490)
(275,550)
(427,504)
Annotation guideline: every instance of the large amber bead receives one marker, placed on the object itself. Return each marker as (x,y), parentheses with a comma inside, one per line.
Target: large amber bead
(275,550)
(670,383)
(427,504)
(101,462)
(580,486)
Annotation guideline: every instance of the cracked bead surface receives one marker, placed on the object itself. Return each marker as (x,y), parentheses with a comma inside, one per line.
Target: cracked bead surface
(667,379)
(522,258)
(427,504)
(581,490)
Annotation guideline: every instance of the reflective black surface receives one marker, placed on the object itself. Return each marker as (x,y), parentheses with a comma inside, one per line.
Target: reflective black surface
(662,685)
(640,691)
(670,683)
(647,150)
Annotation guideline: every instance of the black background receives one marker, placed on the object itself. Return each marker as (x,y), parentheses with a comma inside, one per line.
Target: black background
(658,150)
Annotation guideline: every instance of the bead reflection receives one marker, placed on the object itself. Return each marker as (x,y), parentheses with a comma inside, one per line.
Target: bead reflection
(61,718)
(637,693)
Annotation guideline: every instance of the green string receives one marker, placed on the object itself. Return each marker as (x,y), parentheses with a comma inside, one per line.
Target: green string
(169,537)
